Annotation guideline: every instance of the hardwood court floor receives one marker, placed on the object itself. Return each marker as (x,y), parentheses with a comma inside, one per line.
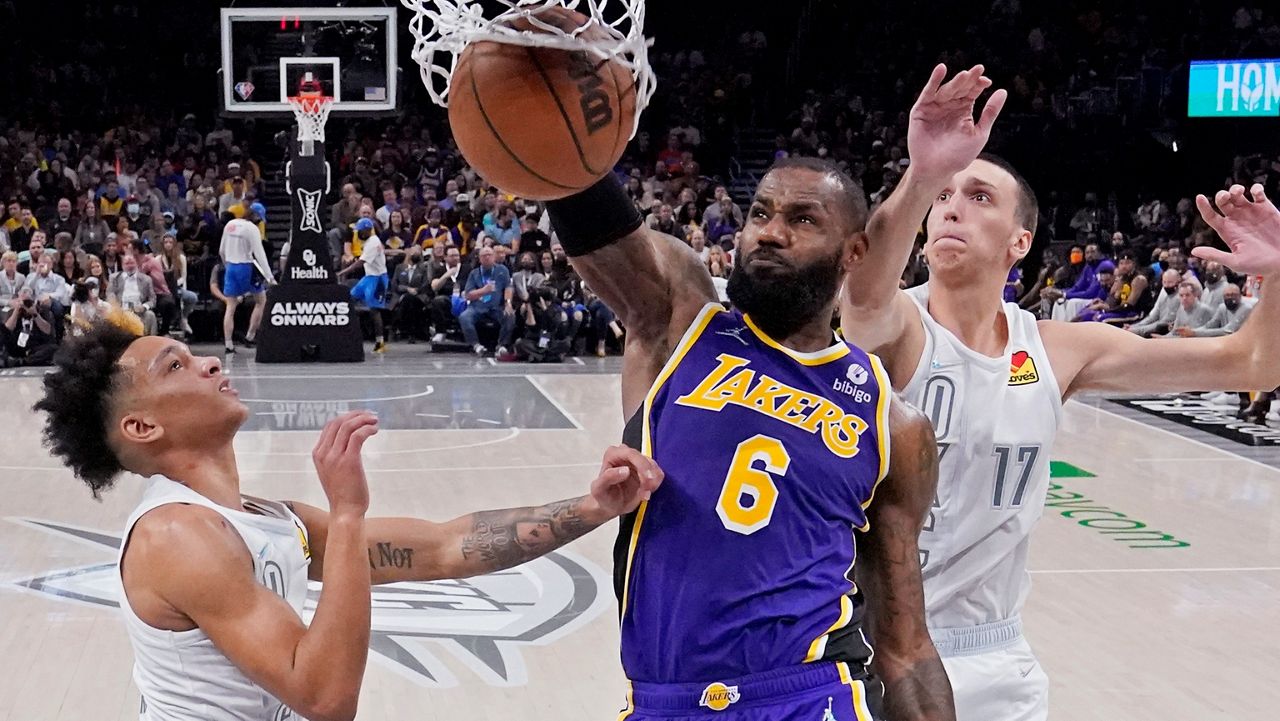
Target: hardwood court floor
(1128,625)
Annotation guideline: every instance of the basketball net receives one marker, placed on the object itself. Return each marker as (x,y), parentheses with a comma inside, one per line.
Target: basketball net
(311,109)
(443,28)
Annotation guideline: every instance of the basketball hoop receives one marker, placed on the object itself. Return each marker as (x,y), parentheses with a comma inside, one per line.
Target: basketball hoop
(442,29)
(311,109)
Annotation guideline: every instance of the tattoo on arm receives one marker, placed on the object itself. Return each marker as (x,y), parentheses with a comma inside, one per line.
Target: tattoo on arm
(387,555)
(502,539)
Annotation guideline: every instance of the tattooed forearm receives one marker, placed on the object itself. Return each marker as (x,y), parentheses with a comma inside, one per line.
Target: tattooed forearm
(502,539)
(922,694)
(386,555)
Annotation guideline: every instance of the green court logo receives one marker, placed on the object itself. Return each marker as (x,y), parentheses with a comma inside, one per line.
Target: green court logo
(1234,88)
(1093,515)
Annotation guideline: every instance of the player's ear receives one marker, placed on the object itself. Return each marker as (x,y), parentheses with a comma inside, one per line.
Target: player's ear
(140,428)
(855,249)
(1021,245)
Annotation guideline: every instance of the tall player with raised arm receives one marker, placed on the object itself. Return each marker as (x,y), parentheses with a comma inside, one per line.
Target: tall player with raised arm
(992,378)
(737,579)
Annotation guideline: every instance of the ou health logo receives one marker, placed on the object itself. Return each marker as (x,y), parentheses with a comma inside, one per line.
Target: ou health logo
(482,622)
(309,257)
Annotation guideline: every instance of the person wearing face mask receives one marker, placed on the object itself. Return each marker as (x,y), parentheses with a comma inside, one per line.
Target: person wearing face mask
(1215,285)
(1226,320)
(525,280)
(1165,309)
(409,295)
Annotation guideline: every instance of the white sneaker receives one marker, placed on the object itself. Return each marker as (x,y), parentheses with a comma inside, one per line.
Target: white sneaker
(437,338)
(478,349)
(186,328)
(1220,398)
(501,352)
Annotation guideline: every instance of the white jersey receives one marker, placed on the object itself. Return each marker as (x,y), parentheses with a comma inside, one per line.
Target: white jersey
(180,674)
(995,420)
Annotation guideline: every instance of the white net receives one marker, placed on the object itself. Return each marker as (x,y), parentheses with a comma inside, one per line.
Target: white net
(614,31)
(311,112)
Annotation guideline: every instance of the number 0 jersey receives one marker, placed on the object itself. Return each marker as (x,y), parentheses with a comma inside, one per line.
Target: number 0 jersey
(742,562)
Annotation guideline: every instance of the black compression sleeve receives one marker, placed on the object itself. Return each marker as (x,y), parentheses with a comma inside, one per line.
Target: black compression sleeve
(594,218)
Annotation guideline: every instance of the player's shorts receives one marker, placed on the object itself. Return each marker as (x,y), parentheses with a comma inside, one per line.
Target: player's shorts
(237,280)
(371,290)
(812,692)
(994,675)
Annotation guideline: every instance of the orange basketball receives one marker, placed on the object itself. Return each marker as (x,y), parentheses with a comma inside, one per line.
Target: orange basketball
(541,123)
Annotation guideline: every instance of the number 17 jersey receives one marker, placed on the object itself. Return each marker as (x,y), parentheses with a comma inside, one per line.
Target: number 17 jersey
(742,561)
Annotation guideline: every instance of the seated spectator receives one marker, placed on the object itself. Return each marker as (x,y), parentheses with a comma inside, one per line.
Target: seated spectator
(112,255)
(87,307)
(63,221)
(698,241)
(35,251)
(717,207)
(1226,320)
(133,291)
(672,156)
(410,294)
(11,281)
(91,232)
(1068,303)
(166,305)
(69,266)
(1165,309)
(663,220)
(1088,219)
(23,231)
(111,204)
(1128,299)
(722,229)
(94,268)
(717,266)
(525,279)
(532,238)
(445,286)
(232,201)
(173,262)
(433,231)
(547,332)
(390,202)
(504,229)
(488,294)
(1215,285)
(1191,312)
(50,291)
(27,336)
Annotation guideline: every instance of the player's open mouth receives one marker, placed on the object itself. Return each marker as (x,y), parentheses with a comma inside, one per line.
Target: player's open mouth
(225,387)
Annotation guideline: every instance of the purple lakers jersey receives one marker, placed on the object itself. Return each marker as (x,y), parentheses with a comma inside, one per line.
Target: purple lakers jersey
(742,561)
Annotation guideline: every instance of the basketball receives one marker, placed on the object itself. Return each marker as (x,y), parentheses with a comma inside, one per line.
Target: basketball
(541,123)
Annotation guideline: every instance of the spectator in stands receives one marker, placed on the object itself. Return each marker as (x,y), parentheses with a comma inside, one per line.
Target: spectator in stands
(111,203)
(50,291)
(111,254)
(395,239)
(69,267)
(1215,285)
(1226,320)
(717,207)
(698,241)
(722,229)
(410,293)
(717,265)
(672,156)
(87,307)
(390,202)
(663,220)
(173,262)
(27,333)
(488,294)
(501,225)
(148,201)
(93,268)
(35,251)
(524,280)
(1067,304)
(547,331)
(1164,311)
(11,281)
(1153,218)
(21,233)
(1191,312)
(132,290)
(805,139)
(465,231)
(63,221)
(433,231)
(229,201)
(444,288)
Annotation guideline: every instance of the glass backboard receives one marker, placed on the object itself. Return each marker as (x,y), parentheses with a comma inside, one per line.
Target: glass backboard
(351,52)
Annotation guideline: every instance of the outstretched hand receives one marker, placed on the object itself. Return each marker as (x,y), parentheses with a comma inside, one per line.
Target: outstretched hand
(942,136)
(1249,227)
(626,478)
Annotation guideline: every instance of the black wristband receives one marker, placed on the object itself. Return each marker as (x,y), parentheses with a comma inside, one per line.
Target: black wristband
(594,218)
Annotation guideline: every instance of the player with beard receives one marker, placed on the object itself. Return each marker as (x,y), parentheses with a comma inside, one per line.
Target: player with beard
(214,582)
(993,378)
(737,581)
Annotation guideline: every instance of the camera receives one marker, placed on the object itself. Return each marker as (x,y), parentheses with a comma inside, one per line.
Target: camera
(28,303)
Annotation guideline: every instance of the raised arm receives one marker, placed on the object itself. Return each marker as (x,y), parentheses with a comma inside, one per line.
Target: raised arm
(916,687)
(942,140)
(653,282)
(1091,356)
(411,549)
(198,568)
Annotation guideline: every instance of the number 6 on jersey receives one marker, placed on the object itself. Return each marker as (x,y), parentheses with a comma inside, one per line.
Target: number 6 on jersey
(745,482)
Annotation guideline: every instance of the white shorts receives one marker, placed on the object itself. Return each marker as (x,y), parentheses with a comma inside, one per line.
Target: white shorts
(1002,685)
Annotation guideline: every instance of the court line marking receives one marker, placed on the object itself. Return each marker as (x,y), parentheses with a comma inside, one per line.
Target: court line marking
(429,390)
(1178,435)
(1201,459)
(546,394)
(1077,571)
(282,471)
(399,376)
